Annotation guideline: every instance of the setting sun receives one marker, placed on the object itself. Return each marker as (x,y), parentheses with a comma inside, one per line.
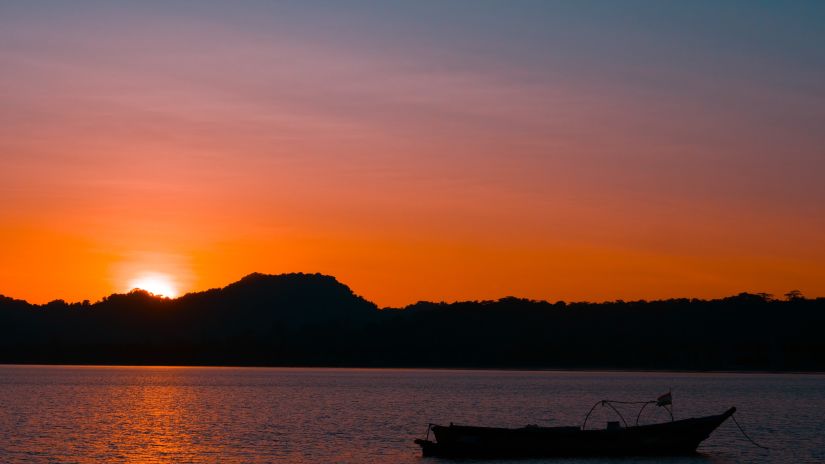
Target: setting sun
(157,284)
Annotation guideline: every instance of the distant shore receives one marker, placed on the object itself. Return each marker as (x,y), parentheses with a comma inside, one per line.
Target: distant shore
(312,320)
(396,368)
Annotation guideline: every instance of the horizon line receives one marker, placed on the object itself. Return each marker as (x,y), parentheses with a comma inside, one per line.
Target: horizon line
(768,297)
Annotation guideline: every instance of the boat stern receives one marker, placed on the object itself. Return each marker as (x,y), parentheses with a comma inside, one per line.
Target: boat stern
(428,448)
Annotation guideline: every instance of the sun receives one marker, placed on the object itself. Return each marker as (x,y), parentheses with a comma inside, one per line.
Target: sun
(155,283)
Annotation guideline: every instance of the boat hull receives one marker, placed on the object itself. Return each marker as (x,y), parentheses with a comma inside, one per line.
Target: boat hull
(671,438)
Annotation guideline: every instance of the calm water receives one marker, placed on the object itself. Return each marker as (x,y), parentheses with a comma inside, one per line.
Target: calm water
(180,414)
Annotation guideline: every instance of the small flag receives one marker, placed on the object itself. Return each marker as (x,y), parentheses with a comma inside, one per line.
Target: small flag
(664,400)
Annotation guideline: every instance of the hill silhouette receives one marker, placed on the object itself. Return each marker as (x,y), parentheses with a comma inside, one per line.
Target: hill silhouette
(314,320)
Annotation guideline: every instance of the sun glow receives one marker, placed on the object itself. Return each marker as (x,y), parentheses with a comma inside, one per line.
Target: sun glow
(155,283)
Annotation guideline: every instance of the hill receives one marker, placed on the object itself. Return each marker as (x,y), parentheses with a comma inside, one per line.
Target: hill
(312,319)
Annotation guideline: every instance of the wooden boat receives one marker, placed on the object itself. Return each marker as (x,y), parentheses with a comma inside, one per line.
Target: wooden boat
(669,438)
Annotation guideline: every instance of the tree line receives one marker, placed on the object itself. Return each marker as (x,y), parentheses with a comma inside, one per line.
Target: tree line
(314,320)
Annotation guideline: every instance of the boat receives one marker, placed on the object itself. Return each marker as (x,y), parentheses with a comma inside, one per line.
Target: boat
(677,437)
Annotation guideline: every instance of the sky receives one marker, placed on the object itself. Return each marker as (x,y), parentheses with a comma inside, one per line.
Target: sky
(442,151)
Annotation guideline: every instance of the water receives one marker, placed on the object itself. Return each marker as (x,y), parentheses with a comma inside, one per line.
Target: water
(185,414)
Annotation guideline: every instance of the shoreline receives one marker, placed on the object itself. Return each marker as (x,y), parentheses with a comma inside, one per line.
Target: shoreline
(420,368)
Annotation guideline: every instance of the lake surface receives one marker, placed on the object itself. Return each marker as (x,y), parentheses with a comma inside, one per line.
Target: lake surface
(193,414)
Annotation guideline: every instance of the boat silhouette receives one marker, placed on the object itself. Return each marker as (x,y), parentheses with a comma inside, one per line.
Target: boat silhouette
(677,437)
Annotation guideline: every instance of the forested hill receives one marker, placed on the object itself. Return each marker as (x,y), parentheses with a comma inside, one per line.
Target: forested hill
(314,320)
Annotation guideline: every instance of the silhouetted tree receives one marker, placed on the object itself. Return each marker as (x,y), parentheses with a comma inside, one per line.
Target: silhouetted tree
(794,295)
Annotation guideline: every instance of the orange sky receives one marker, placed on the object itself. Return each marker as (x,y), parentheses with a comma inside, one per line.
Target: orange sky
(417,153)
